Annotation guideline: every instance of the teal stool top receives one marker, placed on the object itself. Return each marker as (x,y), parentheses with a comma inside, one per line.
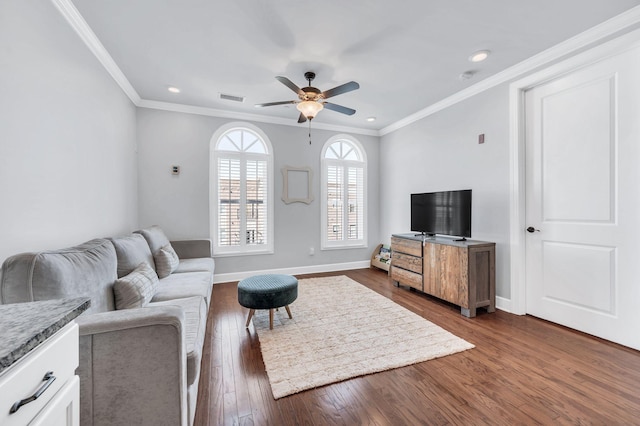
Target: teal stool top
(267,292)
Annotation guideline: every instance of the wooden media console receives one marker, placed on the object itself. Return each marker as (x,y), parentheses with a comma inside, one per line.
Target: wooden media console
(460,272)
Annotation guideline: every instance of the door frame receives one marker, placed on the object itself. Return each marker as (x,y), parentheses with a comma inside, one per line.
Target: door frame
(517,254)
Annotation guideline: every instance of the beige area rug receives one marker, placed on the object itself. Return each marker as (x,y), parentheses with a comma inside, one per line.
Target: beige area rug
(341,329)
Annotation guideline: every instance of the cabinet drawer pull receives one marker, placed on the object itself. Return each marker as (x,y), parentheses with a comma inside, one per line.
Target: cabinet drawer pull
(47,379)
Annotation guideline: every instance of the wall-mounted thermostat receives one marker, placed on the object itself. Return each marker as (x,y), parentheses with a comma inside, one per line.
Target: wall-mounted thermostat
(175,170)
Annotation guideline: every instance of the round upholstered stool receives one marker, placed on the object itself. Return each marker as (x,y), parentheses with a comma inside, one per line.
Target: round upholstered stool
(269,291)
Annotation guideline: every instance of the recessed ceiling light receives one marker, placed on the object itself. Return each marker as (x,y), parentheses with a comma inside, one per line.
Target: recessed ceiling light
(173,89)
(371,119)
(479,56)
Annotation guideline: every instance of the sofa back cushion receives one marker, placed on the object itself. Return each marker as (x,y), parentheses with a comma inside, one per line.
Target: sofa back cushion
(155,237)
(87,270)
(132,250)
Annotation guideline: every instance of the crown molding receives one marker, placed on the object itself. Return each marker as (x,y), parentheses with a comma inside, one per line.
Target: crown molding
(572,45)
(212,112)
(77,22)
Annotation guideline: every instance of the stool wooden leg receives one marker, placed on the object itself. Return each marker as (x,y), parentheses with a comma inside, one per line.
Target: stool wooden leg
(289,311)
(251,312)
(270,319)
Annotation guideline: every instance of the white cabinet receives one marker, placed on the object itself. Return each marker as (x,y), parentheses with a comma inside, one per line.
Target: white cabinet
(63,408)
(50,366)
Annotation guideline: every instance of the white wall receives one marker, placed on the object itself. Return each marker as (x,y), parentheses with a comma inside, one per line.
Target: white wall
(441,152)
(180,204)
(67,136)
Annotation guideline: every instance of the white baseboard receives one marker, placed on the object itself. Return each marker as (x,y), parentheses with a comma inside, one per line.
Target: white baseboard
(503,304)
(313,269)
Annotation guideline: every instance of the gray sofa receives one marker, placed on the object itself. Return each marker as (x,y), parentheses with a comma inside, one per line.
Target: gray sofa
(139,364)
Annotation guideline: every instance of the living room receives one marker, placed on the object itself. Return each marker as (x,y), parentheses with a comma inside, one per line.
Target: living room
(82,159)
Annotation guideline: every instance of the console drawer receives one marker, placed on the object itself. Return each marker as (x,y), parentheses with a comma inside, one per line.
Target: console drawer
(404,261)
(406,277)
(404,245)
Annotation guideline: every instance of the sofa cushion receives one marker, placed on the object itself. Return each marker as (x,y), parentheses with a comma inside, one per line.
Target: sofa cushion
(187,284)
(155,237)
(166,261)
(203,264)
(86,270)
(132,250)
(195,310)
(136,289)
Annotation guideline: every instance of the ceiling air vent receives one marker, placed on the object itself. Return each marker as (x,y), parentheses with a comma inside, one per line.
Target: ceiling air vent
(231,98)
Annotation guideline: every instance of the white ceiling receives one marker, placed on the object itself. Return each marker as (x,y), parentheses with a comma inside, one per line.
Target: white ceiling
(406,54)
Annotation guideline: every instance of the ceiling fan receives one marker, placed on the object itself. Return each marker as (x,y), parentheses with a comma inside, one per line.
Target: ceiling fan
(312,100)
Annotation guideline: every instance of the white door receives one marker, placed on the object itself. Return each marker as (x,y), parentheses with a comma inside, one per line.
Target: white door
(582,199)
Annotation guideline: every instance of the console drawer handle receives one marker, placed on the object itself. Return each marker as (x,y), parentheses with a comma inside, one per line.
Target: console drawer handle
(47,379)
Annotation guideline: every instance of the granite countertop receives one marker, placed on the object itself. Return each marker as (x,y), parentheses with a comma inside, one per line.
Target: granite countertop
(23,326)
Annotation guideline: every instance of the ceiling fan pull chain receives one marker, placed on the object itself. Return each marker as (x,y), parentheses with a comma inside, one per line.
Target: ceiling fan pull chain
(309,132)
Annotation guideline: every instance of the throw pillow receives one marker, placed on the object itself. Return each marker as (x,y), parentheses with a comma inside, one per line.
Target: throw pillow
(136,289)
(131,250)
(166,260)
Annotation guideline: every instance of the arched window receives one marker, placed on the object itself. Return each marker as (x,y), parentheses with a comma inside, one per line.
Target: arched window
(241,186)
(344,200)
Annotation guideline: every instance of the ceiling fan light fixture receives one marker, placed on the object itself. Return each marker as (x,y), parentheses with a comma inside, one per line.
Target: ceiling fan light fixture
(309,108)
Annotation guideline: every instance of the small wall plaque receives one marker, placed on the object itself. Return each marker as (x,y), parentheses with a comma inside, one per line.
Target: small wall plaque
(296,182)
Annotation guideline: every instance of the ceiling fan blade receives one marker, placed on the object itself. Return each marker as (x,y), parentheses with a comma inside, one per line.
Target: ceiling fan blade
(290,84)
(302,118)
(339,90)
(339,108)
(276,103)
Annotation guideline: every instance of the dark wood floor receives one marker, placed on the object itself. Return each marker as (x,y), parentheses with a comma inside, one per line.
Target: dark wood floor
(523,371)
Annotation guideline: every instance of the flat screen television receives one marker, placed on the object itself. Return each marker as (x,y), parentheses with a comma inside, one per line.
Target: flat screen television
(444,212)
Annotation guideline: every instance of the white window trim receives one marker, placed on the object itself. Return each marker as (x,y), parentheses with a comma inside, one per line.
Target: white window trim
(325,244)
(241,250)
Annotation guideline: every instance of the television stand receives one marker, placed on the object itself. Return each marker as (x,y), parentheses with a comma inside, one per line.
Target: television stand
(460,272)
(424,235)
